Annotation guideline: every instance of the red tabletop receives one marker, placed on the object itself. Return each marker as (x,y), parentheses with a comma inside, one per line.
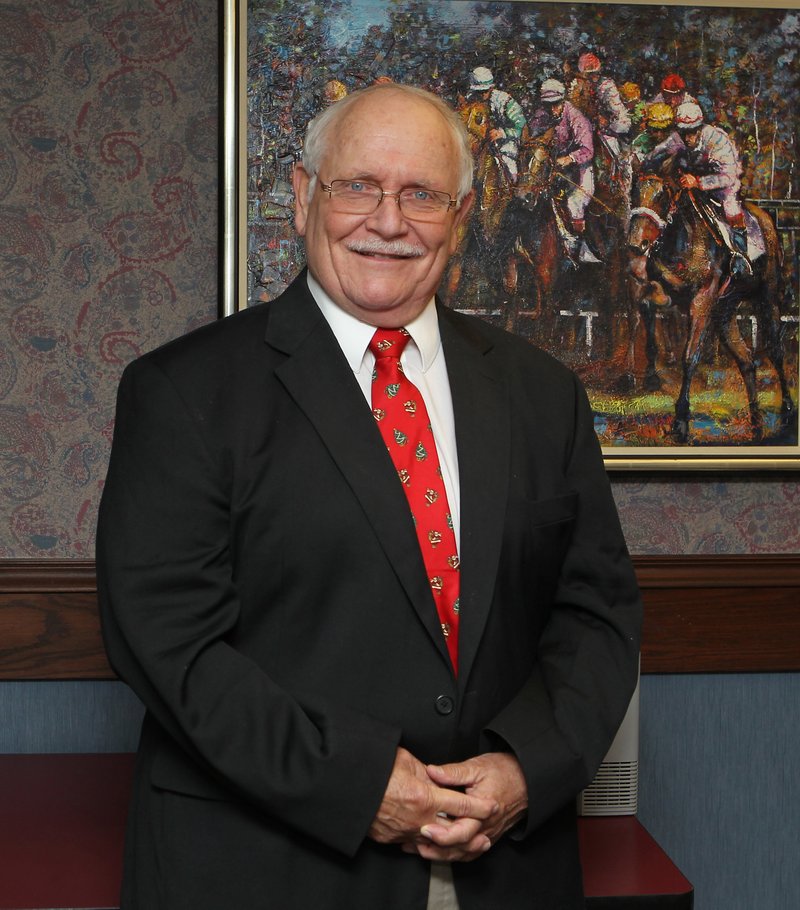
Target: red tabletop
(621,859)
(62,820)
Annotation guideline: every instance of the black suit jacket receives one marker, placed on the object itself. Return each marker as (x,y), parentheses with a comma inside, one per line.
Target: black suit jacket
(262,590)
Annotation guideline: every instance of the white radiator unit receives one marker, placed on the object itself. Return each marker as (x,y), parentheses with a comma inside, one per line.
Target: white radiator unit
(615,788)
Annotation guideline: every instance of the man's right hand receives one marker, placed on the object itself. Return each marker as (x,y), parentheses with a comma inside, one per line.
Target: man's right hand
(412,801)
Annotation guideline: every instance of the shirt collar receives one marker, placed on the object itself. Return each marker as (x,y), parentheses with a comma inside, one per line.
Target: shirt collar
(354,336)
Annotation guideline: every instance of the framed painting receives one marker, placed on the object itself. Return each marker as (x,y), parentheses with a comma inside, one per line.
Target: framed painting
(637,195)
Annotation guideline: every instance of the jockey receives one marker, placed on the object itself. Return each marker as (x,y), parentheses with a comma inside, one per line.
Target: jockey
(713,167)
(631,95)
(572,149)
(673,92)
(506,119)
(659,124)
(598,98)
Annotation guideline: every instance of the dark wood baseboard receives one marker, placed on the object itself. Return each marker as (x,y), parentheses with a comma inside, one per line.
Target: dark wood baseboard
(720,614)
(703,614)
(49,628)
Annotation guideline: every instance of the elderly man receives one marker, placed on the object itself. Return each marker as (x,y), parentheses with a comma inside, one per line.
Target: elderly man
(359,557)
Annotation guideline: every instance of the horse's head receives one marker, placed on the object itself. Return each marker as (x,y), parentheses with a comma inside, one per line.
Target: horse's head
(475,115)
(536,173)
(650,214)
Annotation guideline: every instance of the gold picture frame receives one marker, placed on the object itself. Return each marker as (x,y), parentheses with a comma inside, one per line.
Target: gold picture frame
(294,58)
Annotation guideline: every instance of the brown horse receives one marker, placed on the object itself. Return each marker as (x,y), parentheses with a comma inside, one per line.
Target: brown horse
(606,230)
(478,235)
(546,265)
(532,230)
(677,254)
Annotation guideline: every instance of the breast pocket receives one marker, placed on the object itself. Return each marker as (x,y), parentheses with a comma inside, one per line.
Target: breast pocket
(550,526)
(555,511)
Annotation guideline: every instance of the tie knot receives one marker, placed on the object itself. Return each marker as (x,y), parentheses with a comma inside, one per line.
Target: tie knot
(389,343)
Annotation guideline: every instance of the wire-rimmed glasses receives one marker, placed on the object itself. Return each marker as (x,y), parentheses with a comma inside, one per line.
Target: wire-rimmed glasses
(360,197)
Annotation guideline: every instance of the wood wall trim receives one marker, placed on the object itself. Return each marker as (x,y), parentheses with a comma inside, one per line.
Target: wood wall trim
(49,627)
(720,614)
(703,614)
(748,571)
(46,576)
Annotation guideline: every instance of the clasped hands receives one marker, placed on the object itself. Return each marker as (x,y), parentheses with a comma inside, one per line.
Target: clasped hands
(450,813)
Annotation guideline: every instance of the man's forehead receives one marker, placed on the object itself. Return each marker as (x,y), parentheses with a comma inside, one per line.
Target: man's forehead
(390,108)
(402,123)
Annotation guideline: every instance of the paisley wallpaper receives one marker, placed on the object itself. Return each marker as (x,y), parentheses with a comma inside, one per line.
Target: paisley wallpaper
(710,516)
(108,247)
(108,235)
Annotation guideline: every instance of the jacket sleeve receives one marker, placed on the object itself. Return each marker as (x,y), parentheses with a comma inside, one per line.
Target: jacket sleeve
(561,723)
(168,605)
(723,162)
(508,113)
(581,148)
(619,120)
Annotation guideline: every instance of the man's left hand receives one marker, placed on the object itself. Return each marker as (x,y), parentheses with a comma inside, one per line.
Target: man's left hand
(690,182)
(493,775)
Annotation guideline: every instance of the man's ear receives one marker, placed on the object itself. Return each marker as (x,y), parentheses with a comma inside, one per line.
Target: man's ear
(300,181)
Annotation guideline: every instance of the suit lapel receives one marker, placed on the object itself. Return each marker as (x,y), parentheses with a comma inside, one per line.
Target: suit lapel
(319,379)
(483,438)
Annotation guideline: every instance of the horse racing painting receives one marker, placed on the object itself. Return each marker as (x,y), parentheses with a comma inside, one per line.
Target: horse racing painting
(637,200)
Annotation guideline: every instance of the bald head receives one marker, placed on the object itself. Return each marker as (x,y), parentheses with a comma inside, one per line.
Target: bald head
(335,121)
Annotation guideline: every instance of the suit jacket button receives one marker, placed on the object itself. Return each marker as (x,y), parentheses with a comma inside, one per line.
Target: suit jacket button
(444,704)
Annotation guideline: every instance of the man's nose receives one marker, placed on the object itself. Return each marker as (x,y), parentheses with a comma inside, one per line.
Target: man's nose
(388,219)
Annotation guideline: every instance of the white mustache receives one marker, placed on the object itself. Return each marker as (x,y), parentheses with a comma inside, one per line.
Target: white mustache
(386,247)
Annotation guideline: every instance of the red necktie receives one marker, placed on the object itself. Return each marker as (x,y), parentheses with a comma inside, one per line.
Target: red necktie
(406,429)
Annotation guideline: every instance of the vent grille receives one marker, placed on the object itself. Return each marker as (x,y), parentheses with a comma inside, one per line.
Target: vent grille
(614,791)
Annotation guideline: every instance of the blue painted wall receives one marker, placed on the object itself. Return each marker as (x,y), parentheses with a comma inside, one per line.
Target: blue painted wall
(720,784)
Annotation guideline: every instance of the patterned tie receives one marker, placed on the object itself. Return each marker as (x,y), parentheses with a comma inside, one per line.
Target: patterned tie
(406,429)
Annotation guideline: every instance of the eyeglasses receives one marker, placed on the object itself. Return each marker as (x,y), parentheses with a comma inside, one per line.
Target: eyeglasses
(360,197)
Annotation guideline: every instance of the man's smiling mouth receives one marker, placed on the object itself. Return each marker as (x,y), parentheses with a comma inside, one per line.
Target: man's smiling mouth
(393,249)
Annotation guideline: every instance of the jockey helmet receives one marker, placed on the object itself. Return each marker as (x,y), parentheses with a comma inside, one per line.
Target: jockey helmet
(673,84)
(589,63)
(481,79)
(552,91)
(689,116)
(630,91)
(660,116)
(334,90)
